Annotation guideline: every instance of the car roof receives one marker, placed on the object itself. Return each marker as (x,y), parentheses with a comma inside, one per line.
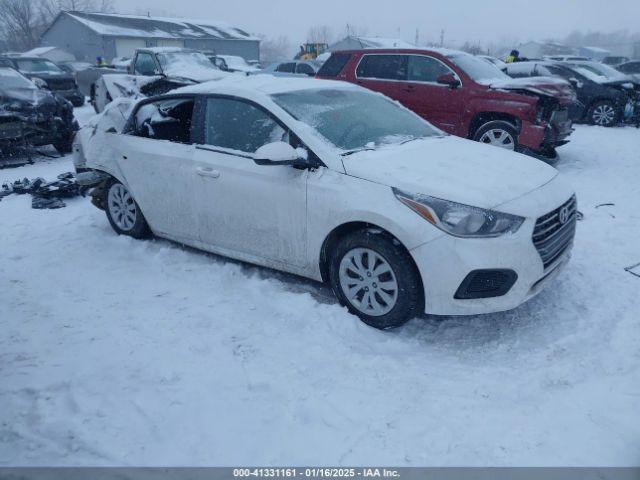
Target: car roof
(441,51)
(263,85)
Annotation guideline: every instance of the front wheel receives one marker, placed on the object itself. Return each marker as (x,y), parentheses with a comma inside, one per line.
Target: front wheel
(498,133)
(376,279)
(603,113)
(123,212)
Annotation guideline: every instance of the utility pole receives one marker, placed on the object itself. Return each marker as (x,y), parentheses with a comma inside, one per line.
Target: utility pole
(417,39)
(442,38)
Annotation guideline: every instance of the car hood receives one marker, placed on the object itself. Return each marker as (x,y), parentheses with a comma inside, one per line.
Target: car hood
(196,73)
(453,169)
(548,86)
(31,97)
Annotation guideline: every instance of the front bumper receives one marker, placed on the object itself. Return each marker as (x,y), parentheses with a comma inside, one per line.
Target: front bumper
(445,263)
(541,140)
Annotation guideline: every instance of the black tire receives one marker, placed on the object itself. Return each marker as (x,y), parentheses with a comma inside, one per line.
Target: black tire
(597,114)
(139,228)
(409,301)
(508,128)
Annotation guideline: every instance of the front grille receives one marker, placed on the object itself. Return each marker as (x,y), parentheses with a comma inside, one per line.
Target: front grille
(551,236)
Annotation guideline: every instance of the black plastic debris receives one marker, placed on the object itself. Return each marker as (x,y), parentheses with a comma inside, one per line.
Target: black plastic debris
(42,203)
(46,195)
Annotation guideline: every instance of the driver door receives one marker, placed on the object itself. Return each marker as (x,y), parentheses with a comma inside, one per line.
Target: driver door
(243,209)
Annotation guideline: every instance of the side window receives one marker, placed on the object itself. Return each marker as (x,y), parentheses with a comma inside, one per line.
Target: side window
(168,119)
(239,125)
(385,67)
(426,69)
(305,69)
(145,64)
(286,67)
(632,67)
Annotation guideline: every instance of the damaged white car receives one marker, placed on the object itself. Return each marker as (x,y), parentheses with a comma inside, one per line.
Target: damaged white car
(335,183)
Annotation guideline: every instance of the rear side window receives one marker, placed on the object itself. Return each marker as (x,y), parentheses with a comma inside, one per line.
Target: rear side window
(286,67)
(426,69)
(239,125)
(305,69)
(632,67)
(334,65)
(168,119)
(384,67)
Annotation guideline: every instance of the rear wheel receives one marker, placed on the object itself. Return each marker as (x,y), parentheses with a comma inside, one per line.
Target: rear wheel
(376,279)
(603,113)
(123,212)
(498,133)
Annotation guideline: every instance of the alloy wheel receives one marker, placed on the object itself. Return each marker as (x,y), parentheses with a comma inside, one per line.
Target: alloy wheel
(603,114)
(122,207)
(498,138)
(368,282)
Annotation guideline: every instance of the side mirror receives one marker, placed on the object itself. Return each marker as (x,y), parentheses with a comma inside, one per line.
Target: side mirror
(575,82)
(41,84)
(281,153)
(448,79)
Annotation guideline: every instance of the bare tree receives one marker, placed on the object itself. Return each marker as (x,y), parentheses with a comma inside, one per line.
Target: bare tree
(320,34)
(275,49)
(22,22)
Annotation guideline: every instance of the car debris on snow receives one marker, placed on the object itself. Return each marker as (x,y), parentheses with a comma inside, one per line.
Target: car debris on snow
(46,195)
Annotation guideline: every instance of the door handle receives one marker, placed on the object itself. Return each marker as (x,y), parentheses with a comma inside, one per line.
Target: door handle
(207,172)
(409,88)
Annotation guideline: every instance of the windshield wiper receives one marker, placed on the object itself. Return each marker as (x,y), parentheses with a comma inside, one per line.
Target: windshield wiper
(357,150)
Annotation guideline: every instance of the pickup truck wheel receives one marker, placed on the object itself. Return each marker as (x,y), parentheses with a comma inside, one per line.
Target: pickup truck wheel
(123,212)
(498,133)
(376,279)
(603,113)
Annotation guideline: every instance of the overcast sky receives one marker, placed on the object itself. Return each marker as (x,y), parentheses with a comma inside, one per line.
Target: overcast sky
(474,20)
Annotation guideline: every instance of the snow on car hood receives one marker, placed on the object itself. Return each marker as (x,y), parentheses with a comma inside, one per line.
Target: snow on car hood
(194,72)
(548,86)
(453,169)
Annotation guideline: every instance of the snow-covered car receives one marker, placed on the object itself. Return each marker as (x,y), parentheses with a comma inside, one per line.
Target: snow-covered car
(233,63)
(337,183)
(294,68)
(33,116)
(154,71)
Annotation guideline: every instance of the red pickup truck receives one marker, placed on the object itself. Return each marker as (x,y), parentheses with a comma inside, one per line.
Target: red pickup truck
(464,95)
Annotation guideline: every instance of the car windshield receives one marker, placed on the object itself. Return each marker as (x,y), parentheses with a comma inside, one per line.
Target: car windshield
(478,69)
(182,60)
(353,119)
(38,66)
(235,62)
(11,79)
(599,72)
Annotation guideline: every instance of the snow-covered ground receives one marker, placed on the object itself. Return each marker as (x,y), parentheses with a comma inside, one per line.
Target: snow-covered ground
(115,351)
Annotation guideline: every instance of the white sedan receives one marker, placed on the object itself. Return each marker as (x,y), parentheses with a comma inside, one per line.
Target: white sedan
(336,183)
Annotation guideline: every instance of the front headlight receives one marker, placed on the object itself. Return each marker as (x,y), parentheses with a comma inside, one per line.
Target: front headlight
(458,219)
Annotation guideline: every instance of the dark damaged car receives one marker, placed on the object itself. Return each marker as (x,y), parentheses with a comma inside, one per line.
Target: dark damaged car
(47,74)
(464,95)
(605,96)
(31,116)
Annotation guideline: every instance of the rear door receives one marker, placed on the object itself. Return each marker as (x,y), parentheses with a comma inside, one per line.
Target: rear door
(384,73)
(243,209)
(436,103)
(156,160)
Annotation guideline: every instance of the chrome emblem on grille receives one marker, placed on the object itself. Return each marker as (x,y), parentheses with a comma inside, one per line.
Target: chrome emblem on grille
(563,216)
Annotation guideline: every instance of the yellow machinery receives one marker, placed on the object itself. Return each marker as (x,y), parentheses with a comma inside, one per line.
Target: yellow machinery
(310,51)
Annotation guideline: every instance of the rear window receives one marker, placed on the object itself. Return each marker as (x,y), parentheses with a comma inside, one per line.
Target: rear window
(334,65)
